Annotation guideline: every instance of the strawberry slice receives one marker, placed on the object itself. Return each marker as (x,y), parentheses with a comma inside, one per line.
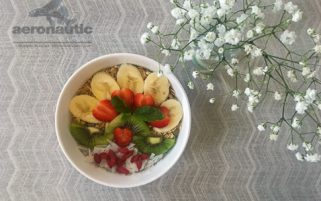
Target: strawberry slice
(122,170)
(104,111)
(138,159)
(122,160)
(163,122)
(123,150)
(126,95)
(143,100)
(97,158)
(139,164)
(123,137)
(110,158)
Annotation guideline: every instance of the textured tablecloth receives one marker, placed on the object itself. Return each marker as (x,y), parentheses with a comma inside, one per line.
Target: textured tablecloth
(225,159)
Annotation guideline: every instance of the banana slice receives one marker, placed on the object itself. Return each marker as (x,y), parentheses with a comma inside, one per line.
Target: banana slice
(102,85)
(157,87)
(81,107)
(129,77)
(175,114)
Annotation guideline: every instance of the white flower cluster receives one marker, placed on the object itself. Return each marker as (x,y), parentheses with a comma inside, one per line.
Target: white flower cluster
(253,98)
(214,34)
(303,102)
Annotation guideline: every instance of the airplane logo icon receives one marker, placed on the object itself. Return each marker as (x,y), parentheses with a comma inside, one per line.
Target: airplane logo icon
(55,13)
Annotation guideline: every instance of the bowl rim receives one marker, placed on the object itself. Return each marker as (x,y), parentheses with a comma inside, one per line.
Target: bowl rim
(187,116)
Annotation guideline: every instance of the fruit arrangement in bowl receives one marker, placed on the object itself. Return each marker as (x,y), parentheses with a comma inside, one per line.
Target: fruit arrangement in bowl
(125,118)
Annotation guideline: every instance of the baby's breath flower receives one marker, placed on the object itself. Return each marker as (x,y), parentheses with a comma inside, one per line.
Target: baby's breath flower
(241,18)
(273,136)
(307,146)
(220,50)
(250,34)
(150,25)
(277,5)
(221,12)
(301,107)
(312,75)
(288,37)
(236,93)
(257,12)
(292,147)
(261,127)
(234,107)
(316,38)
(234,61)
(212,100)
(190,85)
(310,95)
(259,27)
(210,86)
(299,156)
(233,36)
(260,70)
(247,77)
(310,31)
(165,52)
(313,158)
(210,37)
(277,96)
(180,21)
(188,55)
(296,123)
(175,44)
(297,16)
(195,74)
(290,7)
(167,69)
(187,4)
(155,30)
(317,49)
(178,13)
(306,71)
(227,4)
(292,76)
(145,38)
(256,52)
(230,71)
(193,13)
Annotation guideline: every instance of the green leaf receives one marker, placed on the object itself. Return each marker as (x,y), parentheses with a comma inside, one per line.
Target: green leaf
(120,105)
(147,113)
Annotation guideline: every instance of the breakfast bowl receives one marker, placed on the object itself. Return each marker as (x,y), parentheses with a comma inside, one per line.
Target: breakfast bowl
(118,141)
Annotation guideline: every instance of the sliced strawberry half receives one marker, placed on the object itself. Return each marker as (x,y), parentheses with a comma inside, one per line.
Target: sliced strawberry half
(104,111)
(143,100)
(123,137)
(163,122)
(122,170)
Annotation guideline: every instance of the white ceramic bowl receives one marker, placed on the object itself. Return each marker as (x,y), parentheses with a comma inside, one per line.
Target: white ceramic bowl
(69,146)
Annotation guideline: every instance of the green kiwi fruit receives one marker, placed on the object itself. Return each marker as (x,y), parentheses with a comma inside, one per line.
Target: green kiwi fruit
(156,145)
(81,134)
(119,121)
(138,126)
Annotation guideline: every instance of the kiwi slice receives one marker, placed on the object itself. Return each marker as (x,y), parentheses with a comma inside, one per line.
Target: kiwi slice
(87,136)
(156,145)
(119,121)
(81,134)
(138,126)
